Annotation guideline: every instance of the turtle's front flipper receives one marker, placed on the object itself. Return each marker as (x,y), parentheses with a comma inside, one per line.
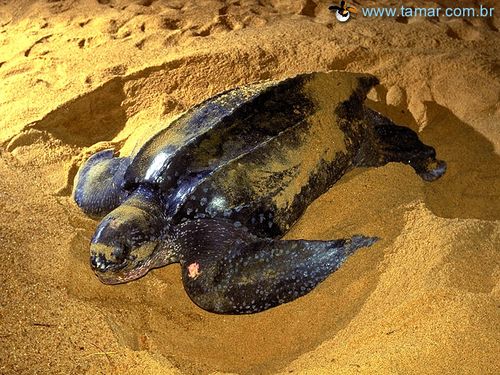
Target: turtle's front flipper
(230,271)
(98,187)
(387,142)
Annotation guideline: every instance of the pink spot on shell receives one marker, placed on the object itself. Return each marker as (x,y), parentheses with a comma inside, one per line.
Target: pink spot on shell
(194,270)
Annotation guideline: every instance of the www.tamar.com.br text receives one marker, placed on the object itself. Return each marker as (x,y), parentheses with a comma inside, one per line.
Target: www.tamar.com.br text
(403,11)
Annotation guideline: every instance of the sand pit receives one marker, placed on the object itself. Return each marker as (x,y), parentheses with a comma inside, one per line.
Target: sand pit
(81,76)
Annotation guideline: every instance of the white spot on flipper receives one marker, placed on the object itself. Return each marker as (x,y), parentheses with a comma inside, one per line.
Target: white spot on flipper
(217,203)
(194,270)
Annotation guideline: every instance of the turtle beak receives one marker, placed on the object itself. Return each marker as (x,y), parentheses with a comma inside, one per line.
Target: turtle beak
(100,263)
(113,265)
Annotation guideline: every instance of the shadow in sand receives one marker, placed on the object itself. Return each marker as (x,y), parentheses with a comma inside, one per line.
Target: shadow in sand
(88,119)
(471,186)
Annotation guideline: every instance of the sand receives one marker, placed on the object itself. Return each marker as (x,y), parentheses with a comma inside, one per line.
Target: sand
(83,75)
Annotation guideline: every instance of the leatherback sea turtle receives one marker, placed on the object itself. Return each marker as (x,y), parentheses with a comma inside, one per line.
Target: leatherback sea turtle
(219,187)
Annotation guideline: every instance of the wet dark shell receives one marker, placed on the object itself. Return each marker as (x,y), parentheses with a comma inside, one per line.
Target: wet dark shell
(256,155)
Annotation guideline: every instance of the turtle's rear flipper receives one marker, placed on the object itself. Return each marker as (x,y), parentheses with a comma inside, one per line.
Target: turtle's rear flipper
(387,142)
(230,271)
(98,187)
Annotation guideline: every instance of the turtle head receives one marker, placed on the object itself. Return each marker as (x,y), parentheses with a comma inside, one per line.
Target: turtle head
(125,243)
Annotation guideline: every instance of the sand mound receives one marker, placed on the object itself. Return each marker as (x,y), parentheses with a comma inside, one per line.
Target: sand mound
(80,76)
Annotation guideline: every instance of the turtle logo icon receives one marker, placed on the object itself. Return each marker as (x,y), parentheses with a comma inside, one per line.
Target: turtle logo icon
(343,12)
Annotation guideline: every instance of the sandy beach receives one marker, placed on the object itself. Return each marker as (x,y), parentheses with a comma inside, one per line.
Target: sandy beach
(79,76)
